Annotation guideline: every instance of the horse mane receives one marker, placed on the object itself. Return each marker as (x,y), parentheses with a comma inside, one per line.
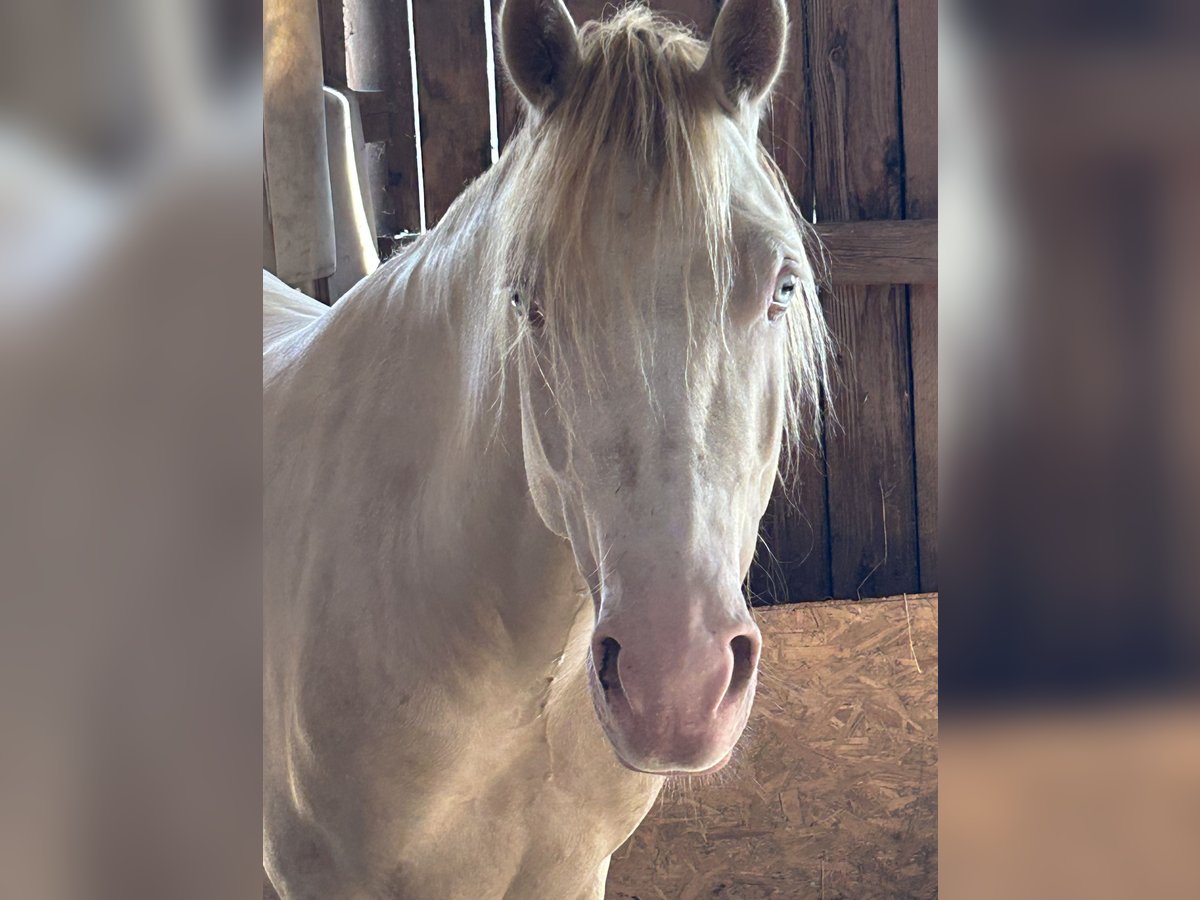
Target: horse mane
(639,103)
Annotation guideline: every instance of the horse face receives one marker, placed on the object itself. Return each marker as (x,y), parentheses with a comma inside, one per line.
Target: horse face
(652,403)
(654,451)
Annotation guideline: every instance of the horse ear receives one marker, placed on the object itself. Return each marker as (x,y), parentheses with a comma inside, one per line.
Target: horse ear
(746,52)
(540,48)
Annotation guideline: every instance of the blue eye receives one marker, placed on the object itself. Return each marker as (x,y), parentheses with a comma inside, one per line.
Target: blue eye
(785,290)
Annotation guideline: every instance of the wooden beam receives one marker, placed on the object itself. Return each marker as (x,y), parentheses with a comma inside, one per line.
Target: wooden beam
(794,561)
(881,251)
(858,177)
(452,92)
(917,21)
(333,42)
(367,44)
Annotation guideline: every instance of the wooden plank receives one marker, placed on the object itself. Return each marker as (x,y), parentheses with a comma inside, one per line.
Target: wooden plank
(333,42)
(881,252)
(857,175)
(923,328)
(787,126)
(376,155)
(389,117)
(918,102)
(833,792)
(792,563)
(367,45)
(795,555)
(452,96)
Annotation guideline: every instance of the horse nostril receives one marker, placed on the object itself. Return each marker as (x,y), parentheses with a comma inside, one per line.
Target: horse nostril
(607,670)
(743,665)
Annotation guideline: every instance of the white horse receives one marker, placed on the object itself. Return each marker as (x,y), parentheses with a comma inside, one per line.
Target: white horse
(514,479)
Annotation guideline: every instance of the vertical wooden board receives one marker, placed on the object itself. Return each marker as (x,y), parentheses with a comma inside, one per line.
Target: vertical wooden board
(333,42)
(367,46)
(856,175)
(452,96)
(797,525)
(376,153)
(918,101)
(402,211)
(923,326)
(856,132)
(872,520)
(786,127)
(792,563)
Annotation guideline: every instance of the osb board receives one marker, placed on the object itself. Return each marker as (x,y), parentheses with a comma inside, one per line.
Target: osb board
(833,792)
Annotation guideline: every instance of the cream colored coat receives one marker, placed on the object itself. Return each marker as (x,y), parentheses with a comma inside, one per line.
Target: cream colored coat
(454,512)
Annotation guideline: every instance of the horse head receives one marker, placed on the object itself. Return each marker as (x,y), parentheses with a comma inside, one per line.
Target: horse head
(667,337)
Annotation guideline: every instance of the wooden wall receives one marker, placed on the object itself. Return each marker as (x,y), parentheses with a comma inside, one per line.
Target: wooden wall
(862,522)
(833,791)
(854,128)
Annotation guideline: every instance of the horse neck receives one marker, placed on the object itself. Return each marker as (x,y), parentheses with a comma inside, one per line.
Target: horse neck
(472,543)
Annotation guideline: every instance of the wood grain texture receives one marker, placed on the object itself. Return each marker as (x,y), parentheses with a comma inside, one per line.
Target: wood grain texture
(923,328)
(367,46)
(794,558)
(918,80)
(792,562)
(786,128)
(400,209)
(333,42)
(833,791)
(857,175)
(881,252)
(452,95)
(918,98)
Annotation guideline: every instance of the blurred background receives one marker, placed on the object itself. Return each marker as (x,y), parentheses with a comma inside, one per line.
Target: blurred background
(130,631)
(131,235)
(1070,447)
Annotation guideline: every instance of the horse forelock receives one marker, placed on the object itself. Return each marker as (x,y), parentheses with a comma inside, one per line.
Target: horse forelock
(639,136)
